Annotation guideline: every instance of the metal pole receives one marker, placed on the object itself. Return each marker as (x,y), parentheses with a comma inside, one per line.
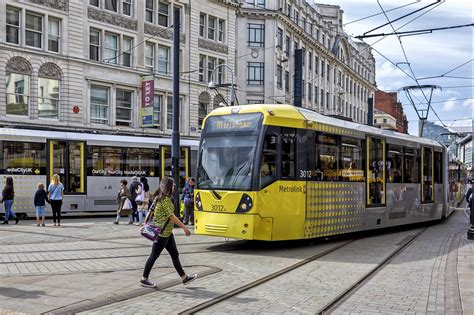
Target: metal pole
(370,112)
(231,88)
(175,151)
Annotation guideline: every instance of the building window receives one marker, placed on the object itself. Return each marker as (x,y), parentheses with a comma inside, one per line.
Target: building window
(111,5)
(94,45)
(255,73)
(127,45)
(13,25)
(221,30)
(150,55)
(94,3)
(279,75)
(310,92)
(53,35)
(123,108)
(256,35)
(18,92)
(202,24)
(127,7)
(111,48)
(287,81)
(202,66)
(211,29)
(204,100)
(310,60)
(169,112)
(157,107)
(163,59)
(33,30)
(149,11)
(280,38)
(220,72)
(316,99)
(48,98)
(211,65)
(257,3)
(287,45)
(99,105)
(163,13)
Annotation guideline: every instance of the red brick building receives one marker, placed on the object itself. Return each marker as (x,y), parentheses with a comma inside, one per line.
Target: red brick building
(388,103)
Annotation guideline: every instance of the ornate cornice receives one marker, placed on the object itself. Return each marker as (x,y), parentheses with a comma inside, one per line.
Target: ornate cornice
(50,70)
(19,65)
(62,5)
(163,32)
(111,18)
(211,45)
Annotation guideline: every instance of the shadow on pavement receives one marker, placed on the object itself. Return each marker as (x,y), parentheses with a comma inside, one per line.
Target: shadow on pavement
(25,294)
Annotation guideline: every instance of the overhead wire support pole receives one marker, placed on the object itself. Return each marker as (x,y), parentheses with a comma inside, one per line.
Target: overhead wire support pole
(175,151)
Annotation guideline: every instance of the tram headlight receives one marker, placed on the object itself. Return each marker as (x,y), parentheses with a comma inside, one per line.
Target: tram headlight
(198,202)
(245,204)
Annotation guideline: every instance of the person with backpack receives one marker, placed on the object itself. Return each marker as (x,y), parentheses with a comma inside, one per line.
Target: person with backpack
(164,218)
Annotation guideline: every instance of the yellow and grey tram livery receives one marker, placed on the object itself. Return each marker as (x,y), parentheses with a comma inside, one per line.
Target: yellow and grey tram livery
(278,172)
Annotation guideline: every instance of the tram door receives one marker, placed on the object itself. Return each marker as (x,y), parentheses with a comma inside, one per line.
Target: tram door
(375,158)
(184,164)
(67,159)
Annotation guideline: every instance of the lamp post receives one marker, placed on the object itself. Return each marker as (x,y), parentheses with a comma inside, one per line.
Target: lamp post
(213,85)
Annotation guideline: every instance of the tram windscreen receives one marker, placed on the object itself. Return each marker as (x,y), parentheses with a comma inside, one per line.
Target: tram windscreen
(227,151)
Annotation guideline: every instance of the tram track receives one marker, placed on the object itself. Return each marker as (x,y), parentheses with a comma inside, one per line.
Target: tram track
(260,281)
(347,293)
(331,305)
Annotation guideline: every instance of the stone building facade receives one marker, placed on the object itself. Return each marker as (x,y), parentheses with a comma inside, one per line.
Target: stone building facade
(388,103)
(79,65)
(338,74)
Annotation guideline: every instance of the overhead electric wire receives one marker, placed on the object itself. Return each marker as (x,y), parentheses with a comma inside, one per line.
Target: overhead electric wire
(416,32)
(444,74)
(376,14)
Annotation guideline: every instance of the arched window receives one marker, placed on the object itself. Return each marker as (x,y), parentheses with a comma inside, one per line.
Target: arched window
(49,77)
(204,100)
(18,76)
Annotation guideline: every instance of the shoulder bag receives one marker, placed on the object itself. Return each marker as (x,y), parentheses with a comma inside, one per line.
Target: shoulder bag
(150,231)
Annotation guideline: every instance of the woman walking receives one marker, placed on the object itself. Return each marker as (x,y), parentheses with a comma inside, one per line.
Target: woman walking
(8,196)
(125,206)
(56,193)
(144,192)
(164,217)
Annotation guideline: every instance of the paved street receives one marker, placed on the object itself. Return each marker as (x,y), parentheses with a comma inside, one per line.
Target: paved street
(93,266)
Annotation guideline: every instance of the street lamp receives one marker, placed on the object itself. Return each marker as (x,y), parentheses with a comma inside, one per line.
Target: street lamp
(213,85)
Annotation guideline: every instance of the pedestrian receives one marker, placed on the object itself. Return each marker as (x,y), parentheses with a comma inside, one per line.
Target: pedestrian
(469,196)
(188,198)
(133,190)
(8,196)
(163,210)
(56,193)
(124,202)
(144,200)
(41,197)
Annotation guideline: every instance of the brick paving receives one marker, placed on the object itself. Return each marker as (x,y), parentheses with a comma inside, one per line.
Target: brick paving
(93,265)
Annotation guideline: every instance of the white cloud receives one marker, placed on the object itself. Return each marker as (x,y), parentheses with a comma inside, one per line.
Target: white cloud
(449,105)
(468,103)
(389,78)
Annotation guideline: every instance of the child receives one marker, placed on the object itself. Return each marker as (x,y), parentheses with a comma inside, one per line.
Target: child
(40,197)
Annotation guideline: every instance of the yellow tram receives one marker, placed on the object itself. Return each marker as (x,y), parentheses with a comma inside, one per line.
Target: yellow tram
(278,172)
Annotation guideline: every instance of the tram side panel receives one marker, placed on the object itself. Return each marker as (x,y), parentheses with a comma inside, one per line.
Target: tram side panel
(25,188)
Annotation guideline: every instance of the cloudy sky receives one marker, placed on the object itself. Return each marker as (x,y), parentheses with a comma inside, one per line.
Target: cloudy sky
(429,55)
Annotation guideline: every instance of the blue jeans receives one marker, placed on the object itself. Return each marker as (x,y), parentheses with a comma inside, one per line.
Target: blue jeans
(141,216)
(8,204)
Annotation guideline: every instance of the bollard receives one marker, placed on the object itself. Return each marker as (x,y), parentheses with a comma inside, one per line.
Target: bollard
(470,232)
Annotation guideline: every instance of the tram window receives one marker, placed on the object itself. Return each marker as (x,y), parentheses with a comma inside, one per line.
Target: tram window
(23,158)
(104,161)
(411,166)
(328,157)
(350,164)
(140,162)
(288,154)
(375,172)
(394,164)
(427,174)
(438,165)
(268,165)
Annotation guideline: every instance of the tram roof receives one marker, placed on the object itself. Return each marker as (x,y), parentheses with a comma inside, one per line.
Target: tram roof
(31,135)
(277,112)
